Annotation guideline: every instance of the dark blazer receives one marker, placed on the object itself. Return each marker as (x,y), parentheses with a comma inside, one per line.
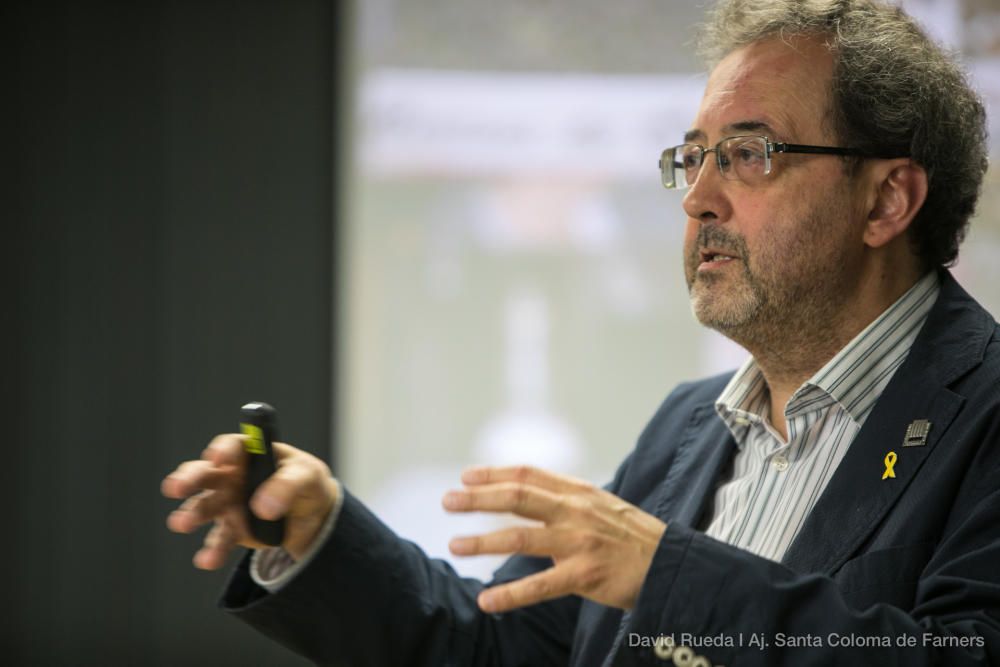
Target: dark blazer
(912,560)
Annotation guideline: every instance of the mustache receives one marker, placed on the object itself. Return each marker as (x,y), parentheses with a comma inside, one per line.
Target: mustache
(715,236)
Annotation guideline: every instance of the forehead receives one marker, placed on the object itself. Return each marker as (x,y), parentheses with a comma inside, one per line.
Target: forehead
(782,86)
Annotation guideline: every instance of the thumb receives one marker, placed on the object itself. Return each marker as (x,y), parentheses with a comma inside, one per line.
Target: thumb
(276,495)
(303,490)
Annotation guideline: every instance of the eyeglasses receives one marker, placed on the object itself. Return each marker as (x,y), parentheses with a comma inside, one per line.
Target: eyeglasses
(743,158)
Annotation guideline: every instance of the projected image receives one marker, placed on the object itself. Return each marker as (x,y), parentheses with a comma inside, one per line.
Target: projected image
(511,275)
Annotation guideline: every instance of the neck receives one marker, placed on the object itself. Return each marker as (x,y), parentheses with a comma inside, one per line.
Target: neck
(789,355)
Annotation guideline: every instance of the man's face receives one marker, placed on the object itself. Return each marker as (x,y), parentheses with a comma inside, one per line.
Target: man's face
(762,259)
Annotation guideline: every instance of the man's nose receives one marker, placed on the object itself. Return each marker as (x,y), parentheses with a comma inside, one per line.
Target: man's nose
(706,199)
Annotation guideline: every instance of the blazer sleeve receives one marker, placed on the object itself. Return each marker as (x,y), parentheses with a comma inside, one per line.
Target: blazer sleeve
(371,598)
(702,588)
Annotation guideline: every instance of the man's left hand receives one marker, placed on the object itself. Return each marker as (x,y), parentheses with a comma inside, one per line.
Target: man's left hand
(601,545)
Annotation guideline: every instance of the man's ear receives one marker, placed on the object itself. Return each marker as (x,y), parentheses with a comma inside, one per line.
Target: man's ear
(900,188)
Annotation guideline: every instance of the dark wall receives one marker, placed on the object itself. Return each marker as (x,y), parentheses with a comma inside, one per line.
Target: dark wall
(170,240)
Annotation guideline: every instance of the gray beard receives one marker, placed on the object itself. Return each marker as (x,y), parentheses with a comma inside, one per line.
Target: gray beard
(793,323)
(707,308)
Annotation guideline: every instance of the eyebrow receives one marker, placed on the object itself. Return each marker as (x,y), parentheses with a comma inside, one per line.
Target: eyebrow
(758,126)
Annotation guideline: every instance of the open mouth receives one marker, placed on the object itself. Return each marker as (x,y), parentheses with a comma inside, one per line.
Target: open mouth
(712,257)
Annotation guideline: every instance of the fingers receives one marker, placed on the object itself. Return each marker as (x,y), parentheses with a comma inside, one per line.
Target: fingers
(299,477)
(546,585)
(526,540)
(192,477)
(214,468)
(198,510)
(225,449)
(301,489)
(218,543)
(521,499)
(212,471)
(523,474)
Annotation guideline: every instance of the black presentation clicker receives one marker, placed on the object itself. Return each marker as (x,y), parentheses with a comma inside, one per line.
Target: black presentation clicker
(259,423)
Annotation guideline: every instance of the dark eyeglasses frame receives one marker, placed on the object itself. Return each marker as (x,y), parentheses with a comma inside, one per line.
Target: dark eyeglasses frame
(769,148)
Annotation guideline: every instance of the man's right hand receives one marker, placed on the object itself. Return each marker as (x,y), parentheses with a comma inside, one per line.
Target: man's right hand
(301,490)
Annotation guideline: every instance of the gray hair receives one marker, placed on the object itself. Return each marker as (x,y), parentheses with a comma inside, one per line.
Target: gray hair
(894,92)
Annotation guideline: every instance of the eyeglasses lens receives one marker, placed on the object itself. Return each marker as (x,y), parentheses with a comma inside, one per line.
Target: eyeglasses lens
(739,158)
(744,159)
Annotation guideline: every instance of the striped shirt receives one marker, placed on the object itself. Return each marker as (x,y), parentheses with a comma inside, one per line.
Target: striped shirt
(775,483)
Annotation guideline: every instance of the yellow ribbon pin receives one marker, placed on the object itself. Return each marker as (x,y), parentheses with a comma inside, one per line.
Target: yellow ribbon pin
(890,461)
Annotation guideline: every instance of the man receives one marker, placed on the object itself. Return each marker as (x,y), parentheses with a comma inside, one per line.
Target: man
(835,501)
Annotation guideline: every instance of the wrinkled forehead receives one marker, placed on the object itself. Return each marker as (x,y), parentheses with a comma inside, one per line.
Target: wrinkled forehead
(783,86)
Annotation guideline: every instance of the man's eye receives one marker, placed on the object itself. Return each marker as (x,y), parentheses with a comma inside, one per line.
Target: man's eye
(746,155)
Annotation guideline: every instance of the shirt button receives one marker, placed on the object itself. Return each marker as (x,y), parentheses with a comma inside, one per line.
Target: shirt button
(780,463)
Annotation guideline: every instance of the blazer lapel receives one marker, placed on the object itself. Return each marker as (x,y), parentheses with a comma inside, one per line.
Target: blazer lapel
(705,451)
(857,497)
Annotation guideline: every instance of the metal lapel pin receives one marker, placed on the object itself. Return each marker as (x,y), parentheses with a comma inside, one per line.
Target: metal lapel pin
(916,433)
